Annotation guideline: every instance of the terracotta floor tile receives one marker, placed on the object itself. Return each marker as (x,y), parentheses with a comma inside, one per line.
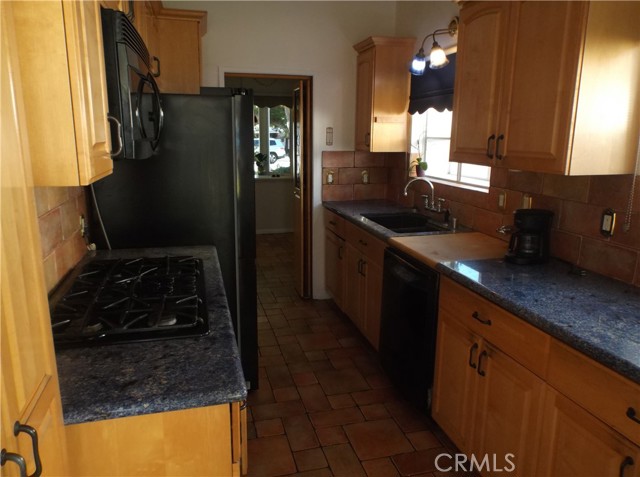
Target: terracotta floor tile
(318,341)
(418,462)
(275,360)
(340,401)
(270,350)
(409,418)
(342,363)
(279,376)
(285,339)
(269,427)
(313,398)
(337,417)
(262,395)
(380,468)
(321,365)
(304,379)
(422,440)
(300,432)
(343,461)
(340,381)
(378,381)
(375,396)
(262,461)
(315,355)
(373,412)
(326,472)
(331,435)
(286,394)
(278,409)
(310,459)
(292,352)
(375,439)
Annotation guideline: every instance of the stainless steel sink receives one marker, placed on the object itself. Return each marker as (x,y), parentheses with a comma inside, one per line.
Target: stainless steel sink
(405,222)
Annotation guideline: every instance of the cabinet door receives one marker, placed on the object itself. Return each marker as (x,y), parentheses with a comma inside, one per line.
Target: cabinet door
(372,301)
(508,413)
(353,287)
(83,26)
(546,39)
(576,444)
(29,385)
(177,45)
(334,251)
(457,351)
(479,75)
(364,99)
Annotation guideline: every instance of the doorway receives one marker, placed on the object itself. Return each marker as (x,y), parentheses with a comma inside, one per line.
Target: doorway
(295,93)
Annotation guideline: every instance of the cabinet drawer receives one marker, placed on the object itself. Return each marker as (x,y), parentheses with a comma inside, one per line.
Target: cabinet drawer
(366,243)
(518,339)
(601,391)
(334,222)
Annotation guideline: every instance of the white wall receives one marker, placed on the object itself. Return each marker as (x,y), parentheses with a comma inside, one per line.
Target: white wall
(309,38)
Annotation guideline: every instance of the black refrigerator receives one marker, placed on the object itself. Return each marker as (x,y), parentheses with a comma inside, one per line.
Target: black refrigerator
(198,189)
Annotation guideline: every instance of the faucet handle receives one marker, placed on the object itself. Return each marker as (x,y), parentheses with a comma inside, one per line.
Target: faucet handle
(441,201)
(427,201)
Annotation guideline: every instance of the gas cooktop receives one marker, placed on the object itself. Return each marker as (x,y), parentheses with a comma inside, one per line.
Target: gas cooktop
(130,300)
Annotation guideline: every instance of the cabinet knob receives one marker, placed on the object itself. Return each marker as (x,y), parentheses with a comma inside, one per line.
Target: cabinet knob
(631,414)
(471,351)
(626,462)
(484,354)
(16,459)
(498,155)
(31,432)
(489,141)
(476,316)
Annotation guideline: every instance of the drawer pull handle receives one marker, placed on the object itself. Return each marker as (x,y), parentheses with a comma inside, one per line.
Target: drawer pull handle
(498,155)
(626,462)
(476,316)
(471,351)
(489,153)
(480,370)
(33,434)
(332,223)
(16,459)
(631,414)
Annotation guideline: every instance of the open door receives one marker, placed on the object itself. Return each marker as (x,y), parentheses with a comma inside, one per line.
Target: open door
(301,133)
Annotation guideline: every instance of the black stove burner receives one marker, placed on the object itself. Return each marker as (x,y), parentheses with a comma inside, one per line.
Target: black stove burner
(111,301)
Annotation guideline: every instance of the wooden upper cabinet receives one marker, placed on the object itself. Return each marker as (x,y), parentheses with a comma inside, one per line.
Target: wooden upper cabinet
(173,38)
(62,68)
(382,96)
(548,86)
(29,382)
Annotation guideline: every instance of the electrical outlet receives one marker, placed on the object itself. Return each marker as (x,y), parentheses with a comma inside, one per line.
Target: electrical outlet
(502,200)
(608,223)
(526,201)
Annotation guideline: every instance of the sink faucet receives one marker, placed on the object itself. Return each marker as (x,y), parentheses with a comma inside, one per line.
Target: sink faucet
(429,203)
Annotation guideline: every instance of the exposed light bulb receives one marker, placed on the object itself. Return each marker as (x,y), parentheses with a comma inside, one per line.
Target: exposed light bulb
(418,64)
(438,58)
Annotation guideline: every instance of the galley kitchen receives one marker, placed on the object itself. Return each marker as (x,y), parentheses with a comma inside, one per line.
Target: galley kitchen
(320,238)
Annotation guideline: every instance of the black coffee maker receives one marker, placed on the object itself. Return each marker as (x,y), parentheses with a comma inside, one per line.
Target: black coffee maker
(530,241)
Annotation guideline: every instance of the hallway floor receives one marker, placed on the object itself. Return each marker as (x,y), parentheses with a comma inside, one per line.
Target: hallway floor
(325,407)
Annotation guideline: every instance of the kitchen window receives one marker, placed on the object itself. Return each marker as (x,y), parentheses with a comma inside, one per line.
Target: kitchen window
(431,138)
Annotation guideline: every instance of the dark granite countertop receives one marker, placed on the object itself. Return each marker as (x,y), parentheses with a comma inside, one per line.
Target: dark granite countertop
(106,382)
(596,315)
(352,210)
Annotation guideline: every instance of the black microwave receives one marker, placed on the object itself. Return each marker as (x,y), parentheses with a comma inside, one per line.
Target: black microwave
(135,108)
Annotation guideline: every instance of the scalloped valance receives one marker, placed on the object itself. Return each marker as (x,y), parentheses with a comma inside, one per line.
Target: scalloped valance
(434,89)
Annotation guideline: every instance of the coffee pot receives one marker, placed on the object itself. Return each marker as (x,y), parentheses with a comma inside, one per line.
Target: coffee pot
(529,243)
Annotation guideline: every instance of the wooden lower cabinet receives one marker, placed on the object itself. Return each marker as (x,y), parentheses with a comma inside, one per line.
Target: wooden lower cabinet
(363,282)
(503,387)
(204,441)
(488,404)
(575,443)
(335,261)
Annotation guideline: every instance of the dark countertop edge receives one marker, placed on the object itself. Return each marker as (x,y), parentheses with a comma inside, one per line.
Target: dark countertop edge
(217,309)
(573,340)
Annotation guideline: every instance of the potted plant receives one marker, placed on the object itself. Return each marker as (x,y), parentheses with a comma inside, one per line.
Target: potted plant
(262,161)
(421,166)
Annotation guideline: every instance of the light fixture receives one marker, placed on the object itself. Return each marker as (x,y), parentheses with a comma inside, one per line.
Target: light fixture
(438,58)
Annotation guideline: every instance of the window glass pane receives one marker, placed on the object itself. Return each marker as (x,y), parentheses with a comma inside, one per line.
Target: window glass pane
(431,139)
(277,130)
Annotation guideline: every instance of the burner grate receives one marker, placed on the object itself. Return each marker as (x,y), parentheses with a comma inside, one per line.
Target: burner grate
(111,301)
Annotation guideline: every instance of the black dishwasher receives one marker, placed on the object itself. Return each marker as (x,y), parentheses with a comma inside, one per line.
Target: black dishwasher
(408,325)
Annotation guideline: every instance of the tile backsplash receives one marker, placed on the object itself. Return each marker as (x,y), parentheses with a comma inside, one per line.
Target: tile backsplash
(59,210)
(577,203)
